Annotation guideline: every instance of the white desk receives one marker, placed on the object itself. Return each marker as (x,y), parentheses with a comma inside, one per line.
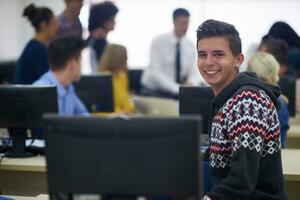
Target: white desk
(39,197)
(23,176)
(291,171)
(27,176)
(293,135)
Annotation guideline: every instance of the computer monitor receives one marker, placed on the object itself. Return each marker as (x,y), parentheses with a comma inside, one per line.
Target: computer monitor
(123,156)
(197,100)
(7,72)
(135,76)
(96,92)
(21,108)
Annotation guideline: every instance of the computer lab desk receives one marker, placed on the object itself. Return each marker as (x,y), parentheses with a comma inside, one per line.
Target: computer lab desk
(293,136)
(39,197)
(23,176)
(27,176)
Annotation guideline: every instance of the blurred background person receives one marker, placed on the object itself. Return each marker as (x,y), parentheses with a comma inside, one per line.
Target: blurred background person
(114,60)
(101,22)
(285,32)
(267,68)
(278,48)
(172,60)
(65,68)
(33,61)
(68,22)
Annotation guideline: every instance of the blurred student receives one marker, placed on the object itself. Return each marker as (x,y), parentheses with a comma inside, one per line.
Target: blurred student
(101,22)
(172,60)
(267,68)
(285,32)
(279,49)
(114,60)
(65,68)
(68,22)
(33,61)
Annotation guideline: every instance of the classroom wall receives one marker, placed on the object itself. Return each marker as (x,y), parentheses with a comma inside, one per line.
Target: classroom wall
(140,20)
(16,30)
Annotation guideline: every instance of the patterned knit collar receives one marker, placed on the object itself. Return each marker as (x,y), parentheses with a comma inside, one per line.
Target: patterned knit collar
(246,79)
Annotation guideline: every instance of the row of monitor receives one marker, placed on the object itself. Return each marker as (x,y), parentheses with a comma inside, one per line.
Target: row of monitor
(21,107)
(110,156)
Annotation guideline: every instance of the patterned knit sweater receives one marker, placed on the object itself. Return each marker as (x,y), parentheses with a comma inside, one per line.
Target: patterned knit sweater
(245,142)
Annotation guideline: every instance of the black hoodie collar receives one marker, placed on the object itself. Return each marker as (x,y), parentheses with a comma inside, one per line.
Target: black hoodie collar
(247,79)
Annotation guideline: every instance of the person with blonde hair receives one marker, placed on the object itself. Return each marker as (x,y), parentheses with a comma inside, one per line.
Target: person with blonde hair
(114,60)
(267,68)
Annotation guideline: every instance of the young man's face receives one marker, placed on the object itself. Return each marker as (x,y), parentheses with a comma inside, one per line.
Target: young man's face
(216,63)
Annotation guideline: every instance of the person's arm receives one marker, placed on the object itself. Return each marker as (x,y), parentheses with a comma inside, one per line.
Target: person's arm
(247,129)
(160,80)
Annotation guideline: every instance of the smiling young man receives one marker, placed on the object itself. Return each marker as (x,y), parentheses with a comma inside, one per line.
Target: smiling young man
(245,156)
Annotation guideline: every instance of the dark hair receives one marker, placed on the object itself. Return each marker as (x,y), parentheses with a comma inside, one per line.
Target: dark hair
(284,31)
(180,12)
(37,15)
(62,49)
(214,28)
(277,47)
(100,13)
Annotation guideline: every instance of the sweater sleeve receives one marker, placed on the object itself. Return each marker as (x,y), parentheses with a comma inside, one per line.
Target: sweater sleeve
(251,125)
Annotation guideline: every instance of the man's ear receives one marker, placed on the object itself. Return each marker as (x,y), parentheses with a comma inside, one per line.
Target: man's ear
(71,63)
(239,60)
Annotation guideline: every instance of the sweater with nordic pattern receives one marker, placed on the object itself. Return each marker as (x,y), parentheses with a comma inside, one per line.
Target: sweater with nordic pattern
(245,144)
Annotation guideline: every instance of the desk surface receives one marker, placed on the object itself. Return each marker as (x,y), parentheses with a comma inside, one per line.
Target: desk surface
(39,197)
(294,131)
(291,164)
(31,164)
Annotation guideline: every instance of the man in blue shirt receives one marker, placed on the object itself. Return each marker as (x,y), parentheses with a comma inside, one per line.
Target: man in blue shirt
(64,58)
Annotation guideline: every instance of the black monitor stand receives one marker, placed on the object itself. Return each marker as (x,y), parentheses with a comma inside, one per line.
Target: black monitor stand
(18,136)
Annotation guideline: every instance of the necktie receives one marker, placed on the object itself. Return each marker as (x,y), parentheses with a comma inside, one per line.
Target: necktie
(177,63)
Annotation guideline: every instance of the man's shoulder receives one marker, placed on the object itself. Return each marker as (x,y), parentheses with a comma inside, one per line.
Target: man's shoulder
(44,80)
(162,37)
(251,93)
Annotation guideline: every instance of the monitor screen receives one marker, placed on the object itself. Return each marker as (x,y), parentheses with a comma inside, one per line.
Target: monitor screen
(123,156)
(196,100)
(96,92)
(21,108)
(7,72)
(135,76)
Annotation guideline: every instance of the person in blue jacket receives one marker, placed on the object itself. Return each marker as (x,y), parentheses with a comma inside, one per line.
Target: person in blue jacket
(33,61)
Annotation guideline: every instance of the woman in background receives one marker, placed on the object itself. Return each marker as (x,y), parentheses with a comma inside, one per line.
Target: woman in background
(33,61)
(284,31)
(114,60)
(267,68)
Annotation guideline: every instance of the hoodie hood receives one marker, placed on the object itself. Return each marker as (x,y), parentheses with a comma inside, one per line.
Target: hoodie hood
(248,80)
